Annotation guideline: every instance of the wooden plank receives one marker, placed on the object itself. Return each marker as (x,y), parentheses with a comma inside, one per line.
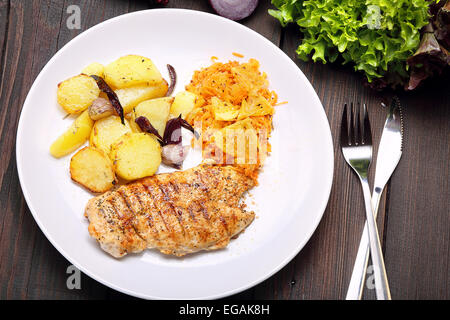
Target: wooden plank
(261,22)
(4,22)
(417,241)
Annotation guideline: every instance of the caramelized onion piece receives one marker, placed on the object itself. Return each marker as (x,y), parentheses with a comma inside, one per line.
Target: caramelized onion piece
(173,151)
(173,79)
(103,86)
(172,133)
(146,126)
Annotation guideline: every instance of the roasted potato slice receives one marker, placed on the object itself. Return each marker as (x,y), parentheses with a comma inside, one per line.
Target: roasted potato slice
(77,93)
(156,111)
(132,70)
(131,97)
(74,137)
(183,104)
(106,131)
(135,156)
(96,69)
(92,169)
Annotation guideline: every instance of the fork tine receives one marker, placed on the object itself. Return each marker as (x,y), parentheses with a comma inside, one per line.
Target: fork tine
(367,129)
(344,127)
(352,139)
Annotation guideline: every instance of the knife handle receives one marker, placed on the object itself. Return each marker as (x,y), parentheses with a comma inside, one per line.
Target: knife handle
(356,286)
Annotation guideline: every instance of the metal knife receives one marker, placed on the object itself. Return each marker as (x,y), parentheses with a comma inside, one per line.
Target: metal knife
(389,154)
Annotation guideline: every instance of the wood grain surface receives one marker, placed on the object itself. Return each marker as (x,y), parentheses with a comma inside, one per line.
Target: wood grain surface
(413,216)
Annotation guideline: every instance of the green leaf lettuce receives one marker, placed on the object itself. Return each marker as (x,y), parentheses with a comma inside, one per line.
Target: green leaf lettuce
(375,36)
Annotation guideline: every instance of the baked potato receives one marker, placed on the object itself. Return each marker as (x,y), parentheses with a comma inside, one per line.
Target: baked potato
(156,111)
(131,97)
(75,136)
(135,156)
(132,70)
(96,69)
(77,93)
(106,131)
(183,104)
(92,169)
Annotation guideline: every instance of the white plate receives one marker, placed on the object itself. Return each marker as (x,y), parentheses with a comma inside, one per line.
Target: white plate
(294,185)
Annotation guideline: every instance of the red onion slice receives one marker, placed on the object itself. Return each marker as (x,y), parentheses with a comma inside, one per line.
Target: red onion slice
(173,79)
(234,9)
(146,126)
(112,96)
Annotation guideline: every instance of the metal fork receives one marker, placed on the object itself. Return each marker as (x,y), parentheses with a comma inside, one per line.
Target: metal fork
(356,144)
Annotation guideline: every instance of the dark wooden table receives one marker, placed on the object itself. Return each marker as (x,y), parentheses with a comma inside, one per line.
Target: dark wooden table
(414,212)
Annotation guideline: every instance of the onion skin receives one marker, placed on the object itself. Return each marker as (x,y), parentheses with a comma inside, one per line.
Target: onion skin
(173,79)
(234,9)
(100,108)
(174,155)
(172,134)
(146,126)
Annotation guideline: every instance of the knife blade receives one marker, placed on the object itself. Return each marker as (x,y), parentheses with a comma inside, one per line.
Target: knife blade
(389,155)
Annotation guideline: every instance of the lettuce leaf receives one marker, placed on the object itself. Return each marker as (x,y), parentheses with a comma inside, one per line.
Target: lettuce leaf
(375,36)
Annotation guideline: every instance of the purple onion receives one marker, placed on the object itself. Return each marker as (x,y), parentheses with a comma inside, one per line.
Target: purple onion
(173,79)
(234,9)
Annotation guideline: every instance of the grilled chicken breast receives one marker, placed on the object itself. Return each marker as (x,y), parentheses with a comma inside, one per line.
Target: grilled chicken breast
(177,213)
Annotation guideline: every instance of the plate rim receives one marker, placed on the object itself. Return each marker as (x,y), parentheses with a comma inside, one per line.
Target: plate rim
(330,167)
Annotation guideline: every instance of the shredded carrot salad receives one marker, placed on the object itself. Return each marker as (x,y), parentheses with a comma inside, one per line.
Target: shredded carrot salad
(233,95)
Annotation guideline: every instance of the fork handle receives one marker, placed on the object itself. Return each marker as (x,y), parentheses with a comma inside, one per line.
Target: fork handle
(356,286)
(381,282)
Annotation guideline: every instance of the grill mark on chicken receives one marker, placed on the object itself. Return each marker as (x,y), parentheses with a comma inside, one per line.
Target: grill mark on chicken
(173,211)
(174,186)
(224,223)
(191,214)
(149,193)
(148,206)
(131,216)
(120,209)
(148,217)
(177,213)
(206,189)
(131,199)
(141,204)
(150,225)
(183,208)
(165,211)
(204,212)
(124,233)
